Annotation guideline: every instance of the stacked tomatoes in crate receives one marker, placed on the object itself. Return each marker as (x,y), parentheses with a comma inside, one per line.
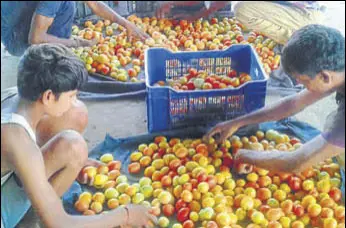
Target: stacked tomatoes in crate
(196,80)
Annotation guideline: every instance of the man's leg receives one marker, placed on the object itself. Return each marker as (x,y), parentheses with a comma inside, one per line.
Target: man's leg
(75,119)
(275,21)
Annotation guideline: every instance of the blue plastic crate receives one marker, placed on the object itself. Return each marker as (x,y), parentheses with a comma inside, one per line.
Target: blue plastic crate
(169,109)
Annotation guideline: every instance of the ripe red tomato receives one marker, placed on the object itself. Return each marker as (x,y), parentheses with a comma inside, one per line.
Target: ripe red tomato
(168,210)
(232,74)
(117,47)
(214,20)
(193,72)
(335,194)
(228,161)
(180,204)
(175,22)
(172,174)
(298,210)
(294,141)
(285,176)
(100,67)
(94,64)
(183,214)
(161,152)
(252,185)
(137,52)
(194,183)
(295,183)
(227,43)
(202,177)
(264,208)
(240,38)
(188,224)
(191,86)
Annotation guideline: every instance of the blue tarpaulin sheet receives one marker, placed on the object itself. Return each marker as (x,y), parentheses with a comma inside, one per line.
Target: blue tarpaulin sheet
(100,90)
(122,148)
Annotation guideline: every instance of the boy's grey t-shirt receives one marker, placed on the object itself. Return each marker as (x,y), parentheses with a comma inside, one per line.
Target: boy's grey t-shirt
(334,130)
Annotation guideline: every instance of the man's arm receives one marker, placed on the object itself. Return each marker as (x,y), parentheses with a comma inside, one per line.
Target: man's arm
(280,110)
(102,10)
(310,154)
(38,33)
(26,160)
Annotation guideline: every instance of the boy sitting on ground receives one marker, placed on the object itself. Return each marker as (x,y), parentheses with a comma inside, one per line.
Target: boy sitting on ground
(49,77)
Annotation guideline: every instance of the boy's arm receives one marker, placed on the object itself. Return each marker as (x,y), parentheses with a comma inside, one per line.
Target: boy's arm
(284,108)
(26,160)
(310,154)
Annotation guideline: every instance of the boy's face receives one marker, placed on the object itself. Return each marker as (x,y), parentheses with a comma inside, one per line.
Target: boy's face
(58,106)
(321,83)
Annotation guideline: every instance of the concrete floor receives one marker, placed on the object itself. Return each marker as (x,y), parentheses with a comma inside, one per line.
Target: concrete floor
(123,118)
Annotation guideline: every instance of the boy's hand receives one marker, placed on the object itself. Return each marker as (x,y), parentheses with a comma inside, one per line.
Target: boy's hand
(222,131)
(240,166)
(140,216)
(94,162)
(135,32)
(83,178)
(79,42)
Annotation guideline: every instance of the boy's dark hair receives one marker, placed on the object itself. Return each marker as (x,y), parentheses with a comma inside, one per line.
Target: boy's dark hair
(312,49)
(49,67)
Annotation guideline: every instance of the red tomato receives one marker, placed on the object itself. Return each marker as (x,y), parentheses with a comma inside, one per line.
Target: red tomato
(202,177)
(295,183)
(183,214)
(232,74)
(210,80)
(193,72)
(227,161)
(168,210)
(180,204)
(188,224)
(161,152)
(298,210)
(191,86)
(335,194)
(214,20)
(294,141)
